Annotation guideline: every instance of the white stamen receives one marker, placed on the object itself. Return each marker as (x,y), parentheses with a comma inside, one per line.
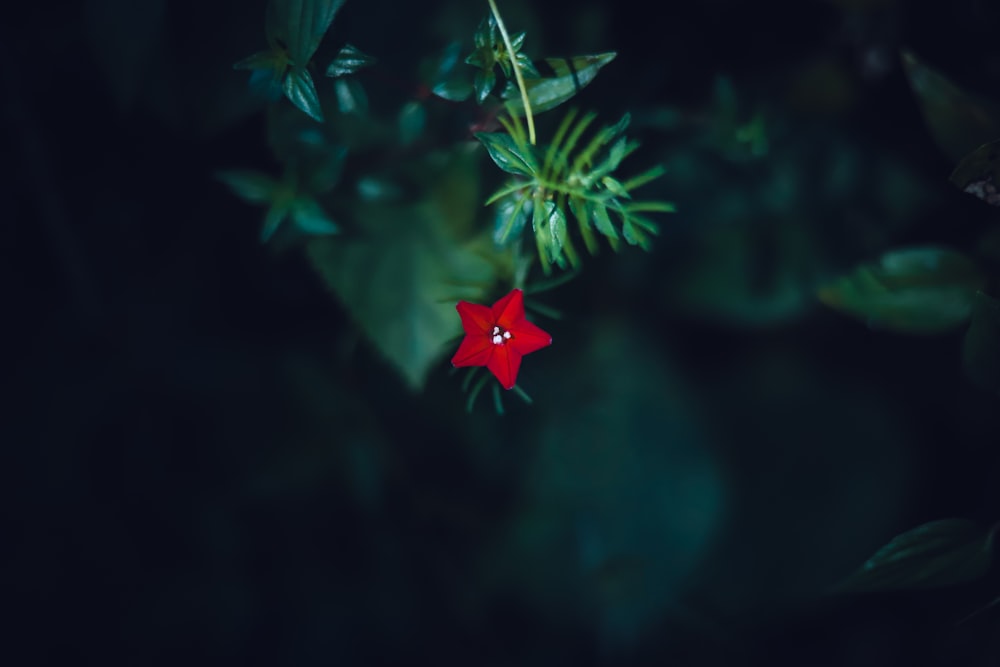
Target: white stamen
(496,330)
(506,334)
(497,339)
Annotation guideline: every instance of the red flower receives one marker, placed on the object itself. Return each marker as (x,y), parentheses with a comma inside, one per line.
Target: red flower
(498,336)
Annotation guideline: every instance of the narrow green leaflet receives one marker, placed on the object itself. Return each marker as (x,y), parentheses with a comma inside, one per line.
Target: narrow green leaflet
(981,346)
(507,154)
(978,173)
(923,290)
(958,121)
(559,79)
(301,91)
(939,553)
(348,61)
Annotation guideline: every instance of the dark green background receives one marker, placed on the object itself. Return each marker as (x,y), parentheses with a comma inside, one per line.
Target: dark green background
(203,457)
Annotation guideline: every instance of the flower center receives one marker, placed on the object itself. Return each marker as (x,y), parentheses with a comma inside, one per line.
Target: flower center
(500,335)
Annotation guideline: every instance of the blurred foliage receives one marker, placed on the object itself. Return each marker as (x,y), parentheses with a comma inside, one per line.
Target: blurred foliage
(913,290)
(957,121)
(256,450)
(939,553)
(566,177)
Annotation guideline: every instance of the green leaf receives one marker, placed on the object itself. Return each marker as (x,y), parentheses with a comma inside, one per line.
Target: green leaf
(453,90)
(351,96)
(275,215)
(507,154)
(511,217)
(924,290)
(484,81)
(251,186)
(274,61)
(412,121)
(301,91)
(400,284)
(305,23)
(958,121)
(447,82)
(560,79)
(603,221)
(979,173)
(939,553)
(310,218)
(348,61)
(981,346)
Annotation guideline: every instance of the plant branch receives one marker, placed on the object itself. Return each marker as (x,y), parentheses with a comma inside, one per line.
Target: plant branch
(517,71)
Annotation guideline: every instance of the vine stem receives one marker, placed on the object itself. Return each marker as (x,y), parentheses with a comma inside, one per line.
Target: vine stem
(517,71)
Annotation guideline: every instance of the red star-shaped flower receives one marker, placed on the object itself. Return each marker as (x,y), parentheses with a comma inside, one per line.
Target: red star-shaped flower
(498,336)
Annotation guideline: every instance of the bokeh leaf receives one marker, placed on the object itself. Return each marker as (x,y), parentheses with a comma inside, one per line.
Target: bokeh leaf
(124,36)
(922,290)
(447,81)
(310,218)
(301,91)
(251,186)
(979,173)
(559,80)
(400,284)
(939,553)
(412,261)
(958,121)
(981,346)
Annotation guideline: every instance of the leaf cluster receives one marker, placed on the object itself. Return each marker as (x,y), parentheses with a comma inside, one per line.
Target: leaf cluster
(571,176)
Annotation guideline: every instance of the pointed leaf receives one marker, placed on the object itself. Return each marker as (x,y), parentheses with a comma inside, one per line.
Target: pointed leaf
(306,22)
(273,218)
(251,186)
(924,290)
(507,154)
(453,90)
(981,345)
(511,217)
(979,173)
(484,81)
(939,553)
(958,122)
(310,218)
(271,60)
(351,96)
(348,61)
(560,79)
(400,284)
(603,221)
(301,91)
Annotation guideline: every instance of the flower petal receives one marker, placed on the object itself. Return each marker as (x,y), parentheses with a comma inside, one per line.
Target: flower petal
(528,337)
(475,350)
(509,310)
(476,319)
(505,363)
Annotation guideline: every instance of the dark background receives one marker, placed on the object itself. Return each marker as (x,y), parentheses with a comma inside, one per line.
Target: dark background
(204,460)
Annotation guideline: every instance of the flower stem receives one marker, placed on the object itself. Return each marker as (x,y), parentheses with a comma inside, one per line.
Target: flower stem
(517,71)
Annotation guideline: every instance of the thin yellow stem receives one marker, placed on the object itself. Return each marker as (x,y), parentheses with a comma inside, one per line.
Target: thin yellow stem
(517,71)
